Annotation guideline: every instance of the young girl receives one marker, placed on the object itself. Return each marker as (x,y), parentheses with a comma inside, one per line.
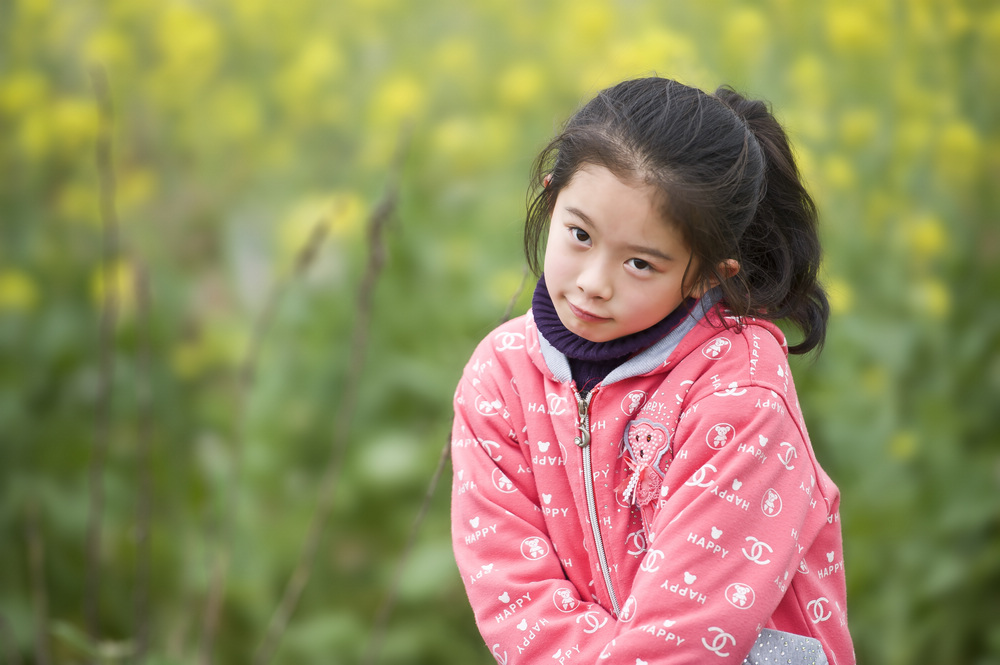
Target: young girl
(633,481)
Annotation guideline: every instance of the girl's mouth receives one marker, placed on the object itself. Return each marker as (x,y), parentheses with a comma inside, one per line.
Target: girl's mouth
(584,315)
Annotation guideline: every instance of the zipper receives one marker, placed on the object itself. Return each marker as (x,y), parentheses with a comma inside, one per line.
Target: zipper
(583,441)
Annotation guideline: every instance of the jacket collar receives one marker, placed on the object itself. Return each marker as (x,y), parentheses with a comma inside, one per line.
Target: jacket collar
(642,363)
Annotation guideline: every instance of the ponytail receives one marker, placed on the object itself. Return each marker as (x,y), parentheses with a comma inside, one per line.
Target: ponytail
(779,250)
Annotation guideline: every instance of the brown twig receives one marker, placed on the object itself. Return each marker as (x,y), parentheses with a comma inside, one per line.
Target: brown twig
(385,611)
(109,311)
(377,222)
(246,377)
(9,645)
(382,618)
(36,576)
(507,313)
(144,489)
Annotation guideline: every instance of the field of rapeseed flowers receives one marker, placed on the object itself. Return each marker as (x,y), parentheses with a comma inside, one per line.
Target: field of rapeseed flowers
(218,423)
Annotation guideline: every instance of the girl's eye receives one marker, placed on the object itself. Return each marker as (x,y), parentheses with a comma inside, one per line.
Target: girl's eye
(579,234)
(639,264)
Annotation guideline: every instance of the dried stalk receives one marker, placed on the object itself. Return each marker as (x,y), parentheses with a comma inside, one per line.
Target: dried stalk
(385,611)
(246,377)
(109,312)
(9,645)
(377,222)
(144,489)
(36,576)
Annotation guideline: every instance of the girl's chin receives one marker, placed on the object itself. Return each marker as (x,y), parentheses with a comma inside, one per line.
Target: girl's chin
(589,333)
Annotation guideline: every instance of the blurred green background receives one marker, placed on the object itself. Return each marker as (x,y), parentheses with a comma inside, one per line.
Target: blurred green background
(238,124)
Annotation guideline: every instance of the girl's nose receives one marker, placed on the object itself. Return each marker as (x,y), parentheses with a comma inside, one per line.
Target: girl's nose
(594,280)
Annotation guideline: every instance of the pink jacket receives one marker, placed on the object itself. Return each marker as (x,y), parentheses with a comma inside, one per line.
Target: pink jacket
(668,517)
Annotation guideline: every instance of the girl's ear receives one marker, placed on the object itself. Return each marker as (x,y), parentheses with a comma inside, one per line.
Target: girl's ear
(546,180)
(728,269)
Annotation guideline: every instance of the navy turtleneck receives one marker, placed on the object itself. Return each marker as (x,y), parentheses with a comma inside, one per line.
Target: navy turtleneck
(590,361)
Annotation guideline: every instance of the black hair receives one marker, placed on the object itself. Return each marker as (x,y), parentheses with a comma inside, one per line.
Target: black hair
(727,178)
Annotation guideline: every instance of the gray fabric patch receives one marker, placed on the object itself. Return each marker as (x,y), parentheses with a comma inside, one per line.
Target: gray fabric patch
(776,647)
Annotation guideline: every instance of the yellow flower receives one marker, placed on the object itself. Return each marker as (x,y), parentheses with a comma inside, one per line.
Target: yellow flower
(136,186)
(235,113)
(108,48)
(34,7)
(903,445)
(122,280)
(520,84)
(855,29)
(745,36)
(958,153)
(17,291)
(343,213)
(310,72)
(77,202)
(33,136)
(456,56)
(590,21)
(839,172)
(454,135)
(652,49)
(808,79)
(399,98)
(21,91)
(931,297)
(73,123)
(913,135)
(859,126)
(189,42)
(927,237)
(840,294)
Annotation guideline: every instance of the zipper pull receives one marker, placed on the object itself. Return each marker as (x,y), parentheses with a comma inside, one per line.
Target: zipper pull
(584,423)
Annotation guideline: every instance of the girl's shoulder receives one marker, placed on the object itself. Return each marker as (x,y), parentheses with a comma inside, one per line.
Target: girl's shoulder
(510,345)
(745,351)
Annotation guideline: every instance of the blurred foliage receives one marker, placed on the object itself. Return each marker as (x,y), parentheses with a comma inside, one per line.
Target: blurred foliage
(240,123)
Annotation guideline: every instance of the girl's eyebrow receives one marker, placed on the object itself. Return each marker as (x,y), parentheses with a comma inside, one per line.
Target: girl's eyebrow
(650,251)
(581,214)
(638,249)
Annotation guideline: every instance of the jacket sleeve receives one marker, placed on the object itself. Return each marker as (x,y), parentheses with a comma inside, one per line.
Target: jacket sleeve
(519,593)
(727,536)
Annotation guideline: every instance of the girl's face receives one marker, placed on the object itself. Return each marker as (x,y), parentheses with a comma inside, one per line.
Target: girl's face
(613,264)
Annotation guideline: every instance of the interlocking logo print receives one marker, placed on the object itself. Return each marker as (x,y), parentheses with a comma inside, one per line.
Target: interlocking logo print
(787,454)
(697,479)
(819,611)
(757,551)
(651,563)
(557,404)
(509,341)
(591,617)
(721,640)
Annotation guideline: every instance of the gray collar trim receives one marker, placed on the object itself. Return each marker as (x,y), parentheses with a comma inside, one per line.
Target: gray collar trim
(642,363)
